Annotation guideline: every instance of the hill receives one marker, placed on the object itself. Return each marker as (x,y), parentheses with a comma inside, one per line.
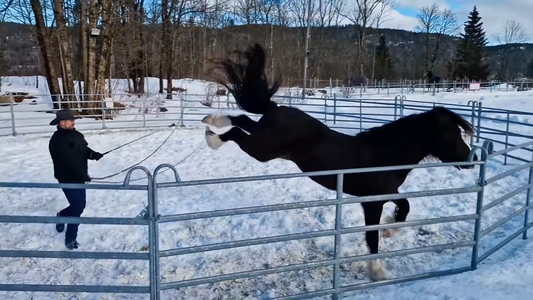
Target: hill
(332,51)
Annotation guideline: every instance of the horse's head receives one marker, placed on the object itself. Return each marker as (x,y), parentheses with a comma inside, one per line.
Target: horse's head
(446,139)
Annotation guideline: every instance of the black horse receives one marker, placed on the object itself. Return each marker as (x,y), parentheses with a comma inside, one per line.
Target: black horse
(432,78)
(289,133)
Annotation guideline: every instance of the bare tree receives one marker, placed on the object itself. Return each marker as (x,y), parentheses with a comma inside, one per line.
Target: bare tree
(43,37)
(328,12)
(65,54)
(362,14)
(435,24)
(247,10)
(512,33)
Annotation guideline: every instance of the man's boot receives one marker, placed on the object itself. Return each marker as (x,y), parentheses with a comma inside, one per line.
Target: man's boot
(60,227)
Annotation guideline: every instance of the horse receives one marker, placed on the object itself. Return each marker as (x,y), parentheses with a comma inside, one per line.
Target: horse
(288,133)
(432,78)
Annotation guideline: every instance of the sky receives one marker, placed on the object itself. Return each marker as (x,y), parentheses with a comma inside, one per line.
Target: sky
(494,14)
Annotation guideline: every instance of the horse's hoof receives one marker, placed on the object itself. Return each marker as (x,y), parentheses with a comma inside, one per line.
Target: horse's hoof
(213,140)
(376,271)
(207,119)
(218,121)
(390,232)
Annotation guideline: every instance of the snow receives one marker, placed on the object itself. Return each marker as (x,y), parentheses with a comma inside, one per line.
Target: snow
(505,275)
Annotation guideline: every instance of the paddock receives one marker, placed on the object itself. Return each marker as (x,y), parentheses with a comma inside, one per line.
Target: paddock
(222,226)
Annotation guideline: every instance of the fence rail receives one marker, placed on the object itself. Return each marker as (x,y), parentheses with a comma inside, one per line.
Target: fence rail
(353,114)
(152,219)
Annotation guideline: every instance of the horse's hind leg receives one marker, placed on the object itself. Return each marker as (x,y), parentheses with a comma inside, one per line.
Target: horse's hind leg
(373,212)
(242,121)
(217,121)
(400,215)
(261,146)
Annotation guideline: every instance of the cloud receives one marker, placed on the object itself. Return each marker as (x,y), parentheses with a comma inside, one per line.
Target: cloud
(417,4)
(396,20)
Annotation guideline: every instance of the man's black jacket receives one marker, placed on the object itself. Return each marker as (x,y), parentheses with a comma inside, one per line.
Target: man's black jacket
(70,152)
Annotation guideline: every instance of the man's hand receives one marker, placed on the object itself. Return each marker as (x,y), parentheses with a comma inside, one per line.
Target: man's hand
(96,155)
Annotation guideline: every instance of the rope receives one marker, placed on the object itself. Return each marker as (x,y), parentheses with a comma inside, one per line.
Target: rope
(140,162)
(100,180)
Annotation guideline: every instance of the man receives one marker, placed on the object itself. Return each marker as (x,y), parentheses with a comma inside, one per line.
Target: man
(70,152)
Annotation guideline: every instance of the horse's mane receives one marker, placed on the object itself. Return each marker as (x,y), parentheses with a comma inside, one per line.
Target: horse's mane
(412,123)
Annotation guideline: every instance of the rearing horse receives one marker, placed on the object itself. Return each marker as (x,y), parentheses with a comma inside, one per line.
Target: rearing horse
(289,133)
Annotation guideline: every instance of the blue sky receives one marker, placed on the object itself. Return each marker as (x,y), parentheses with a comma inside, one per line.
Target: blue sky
(494,13)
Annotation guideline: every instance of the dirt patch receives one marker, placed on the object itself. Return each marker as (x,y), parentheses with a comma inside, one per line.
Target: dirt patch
(18,97)
(5,100)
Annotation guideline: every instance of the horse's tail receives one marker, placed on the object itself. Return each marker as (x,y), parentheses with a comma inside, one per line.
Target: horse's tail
(246,80)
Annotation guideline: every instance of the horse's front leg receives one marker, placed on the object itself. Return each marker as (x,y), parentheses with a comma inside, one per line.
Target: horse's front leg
(261,146)
(373,212)
(400,215)
(242,121)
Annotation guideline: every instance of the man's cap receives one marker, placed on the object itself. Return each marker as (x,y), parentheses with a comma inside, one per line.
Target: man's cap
(64,114)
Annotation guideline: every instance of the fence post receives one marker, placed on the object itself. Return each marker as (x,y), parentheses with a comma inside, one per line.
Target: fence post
(182,110)
(153,238)
(478,133)
(528,194)
(335,108)
(396,106)
(326,110)
(150,213)
(12,111)
(103,113)
(337,246)
(402,99)
(143,107)
(473,103)
(507,139)
(360,115)
(479,203)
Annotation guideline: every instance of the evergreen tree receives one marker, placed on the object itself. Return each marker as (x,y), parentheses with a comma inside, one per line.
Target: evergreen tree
(384,65)
(529,71)
(469,61)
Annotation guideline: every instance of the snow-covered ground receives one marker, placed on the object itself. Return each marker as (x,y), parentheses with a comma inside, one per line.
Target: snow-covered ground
(505,275)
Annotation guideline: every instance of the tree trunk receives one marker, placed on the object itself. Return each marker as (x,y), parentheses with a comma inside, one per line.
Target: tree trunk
(84,48)
(104,53)
(43,38)
(66,55)
(91,58)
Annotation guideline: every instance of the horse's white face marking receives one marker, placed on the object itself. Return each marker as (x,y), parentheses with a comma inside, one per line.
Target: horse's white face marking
(213,140)
(217,121)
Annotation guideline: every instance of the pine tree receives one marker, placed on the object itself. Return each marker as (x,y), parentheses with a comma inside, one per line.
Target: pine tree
(384,65)
(529,70)
(469,61)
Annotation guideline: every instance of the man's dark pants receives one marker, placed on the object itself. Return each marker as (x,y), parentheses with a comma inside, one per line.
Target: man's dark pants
(76,198)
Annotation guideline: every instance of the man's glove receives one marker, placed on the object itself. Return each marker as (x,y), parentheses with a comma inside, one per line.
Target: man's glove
(96,155)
